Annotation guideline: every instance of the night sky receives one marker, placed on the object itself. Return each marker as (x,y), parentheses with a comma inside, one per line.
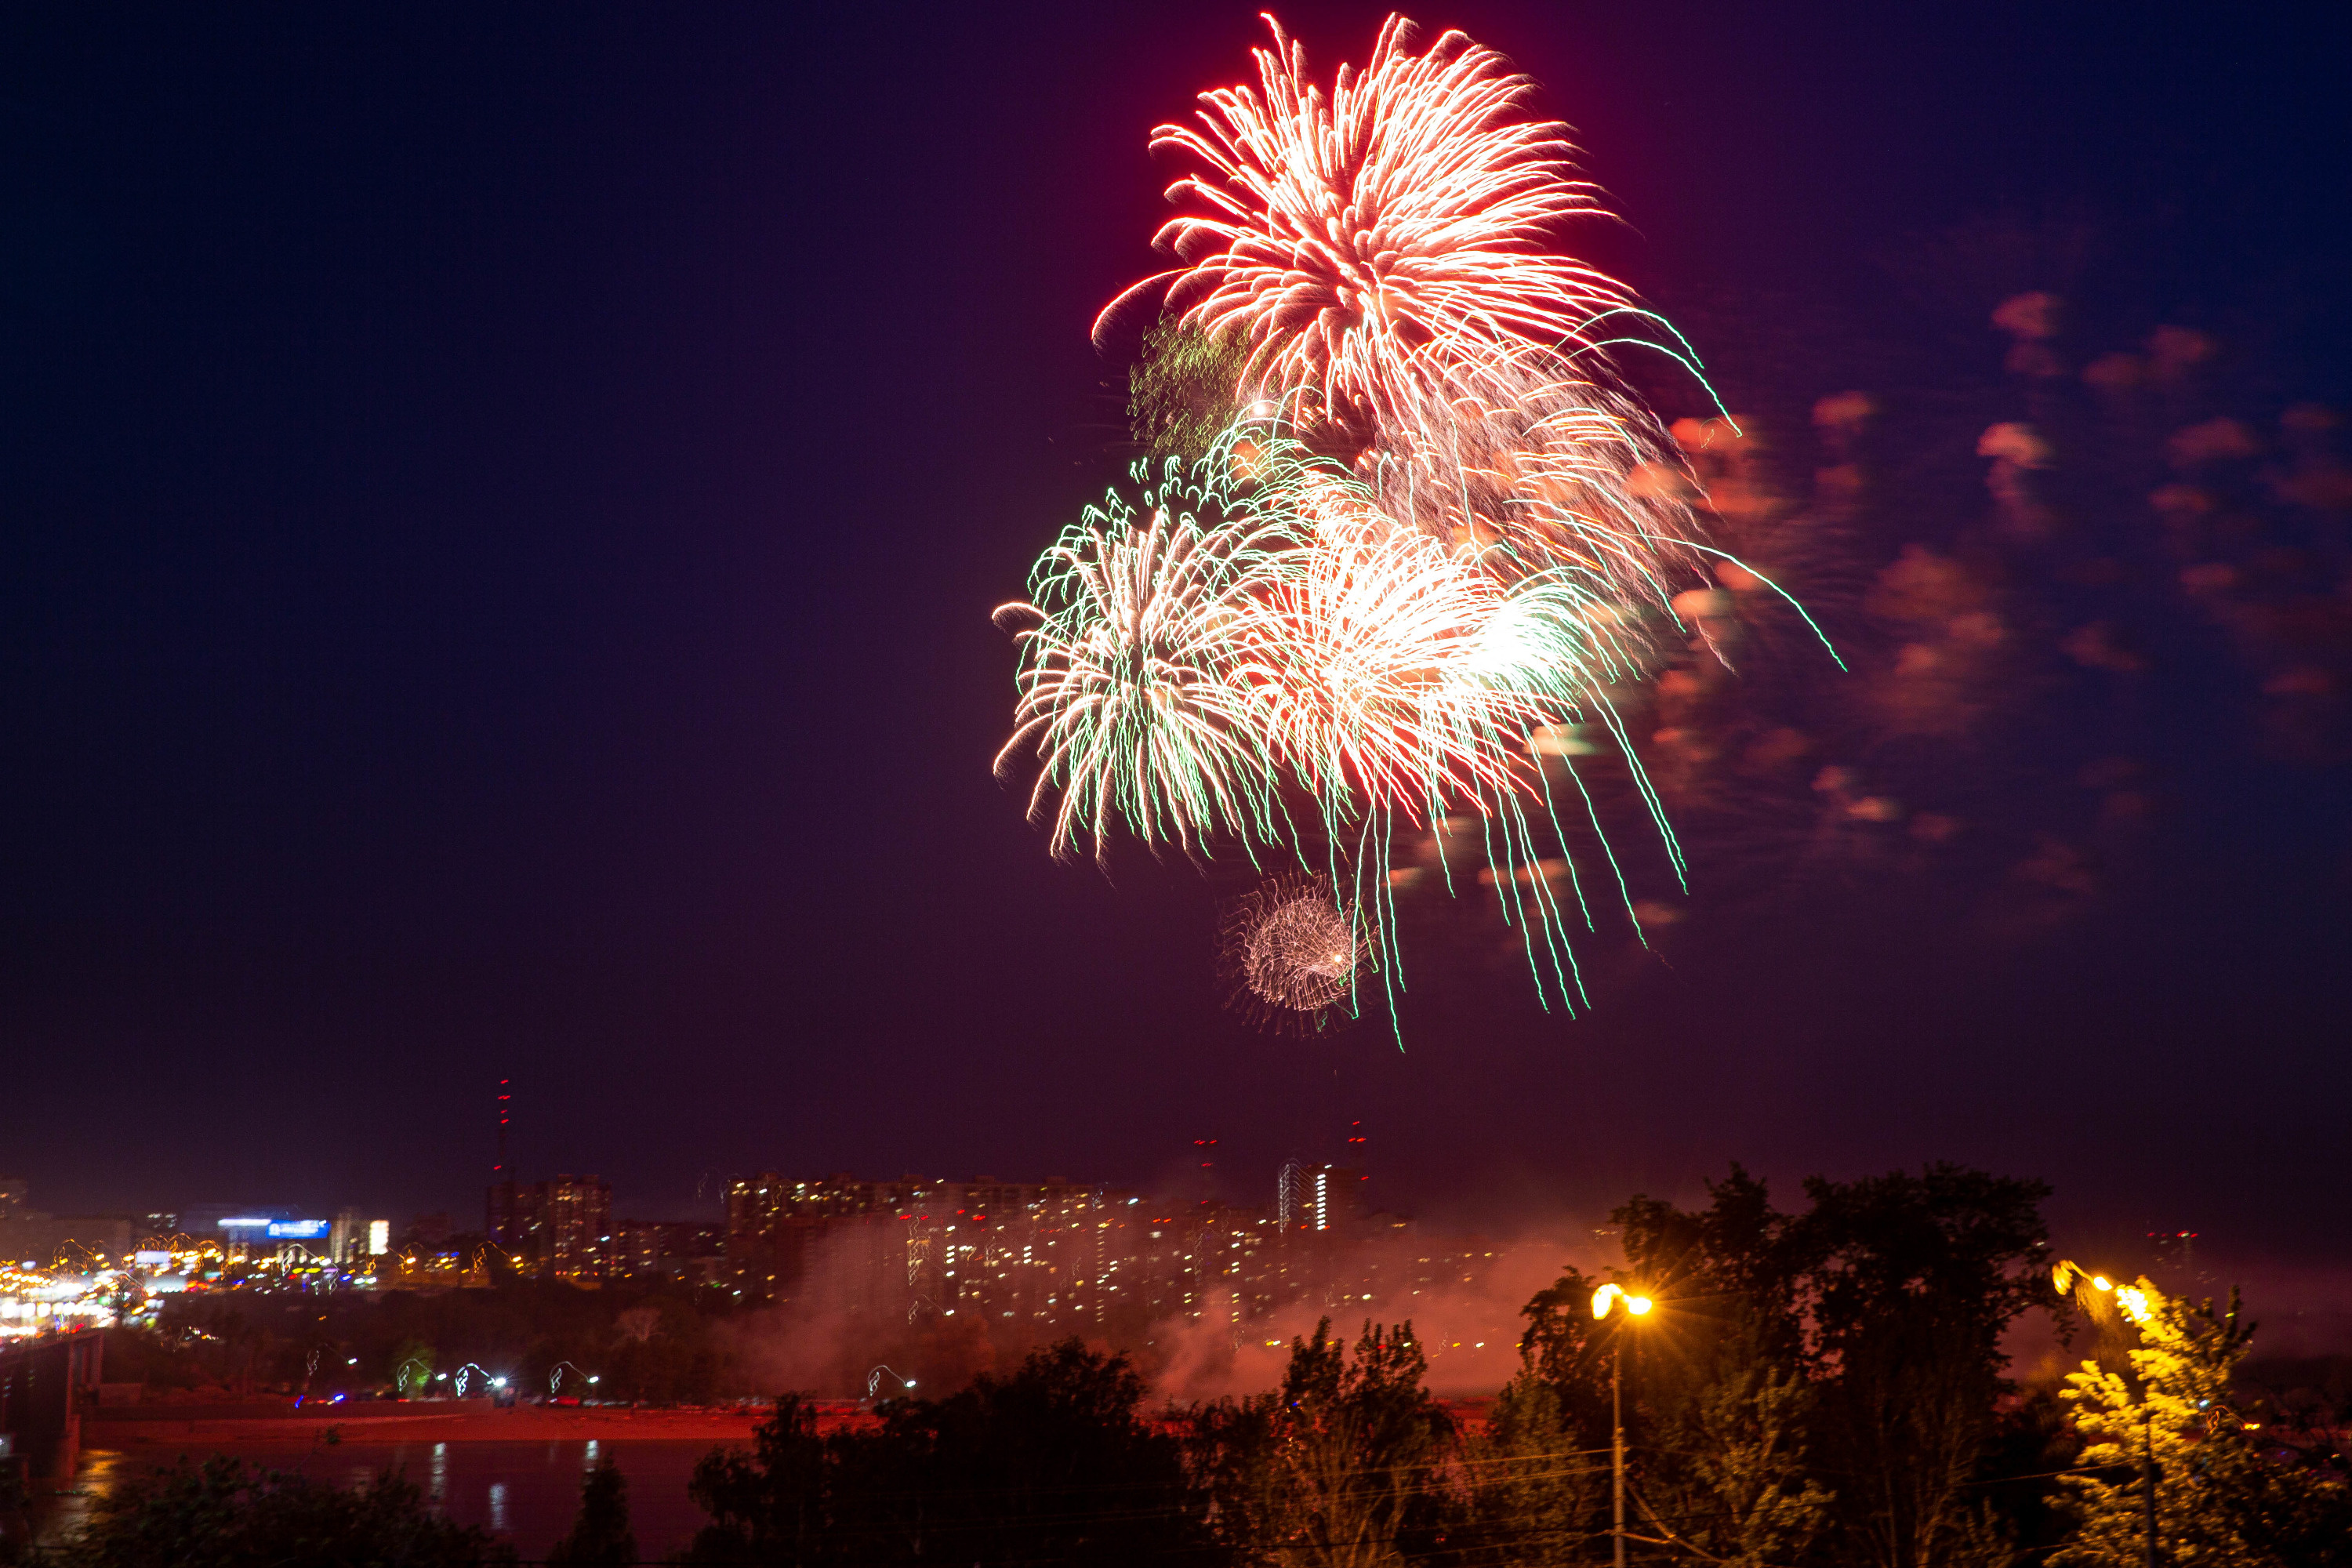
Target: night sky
(501,511)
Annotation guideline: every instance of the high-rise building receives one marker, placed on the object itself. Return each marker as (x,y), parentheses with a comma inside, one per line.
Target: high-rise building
(679,1249)
(1321,1197)
(1064,1257)
(561,1228)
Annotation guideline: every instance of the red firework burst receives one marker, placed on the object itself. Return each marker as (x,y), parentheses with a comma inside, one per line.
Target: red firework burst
(1381,249)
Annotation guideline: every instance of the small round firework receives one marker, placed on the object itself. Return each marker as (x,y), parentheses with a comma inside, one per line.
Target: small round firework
(1289,952)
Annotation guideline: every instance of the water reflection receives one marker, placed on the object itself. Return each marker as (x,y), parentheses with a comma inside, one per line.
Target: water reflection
(528,1493)
(55,1515)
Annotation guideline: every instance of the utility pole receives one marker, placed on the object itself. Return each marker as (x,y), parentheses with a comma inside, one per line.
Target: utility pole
(2147,1478)
(1603,1301)
(1617,1451)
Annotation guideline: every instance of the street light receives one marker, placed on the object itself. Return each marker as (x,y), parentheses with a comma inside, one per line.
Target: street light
(2131,1301)
(1603,1300)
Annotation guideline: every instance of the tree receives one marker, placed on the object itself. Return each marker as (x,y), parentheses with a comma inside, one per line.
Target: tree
(2218,1500)
(1723,1273)
(1732,1268)
(220,1515)
(1530,1497)
(1229,1453)
(600,1537)
(1053,1464)
(1562,1349)
(1908,1284)
(1340,1466)
(768,1505)
(1836,1372)
(1733,1486)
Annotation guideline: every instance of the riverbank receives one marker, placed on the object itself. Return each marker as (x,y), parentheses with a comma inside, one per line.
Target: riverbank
(192,1428)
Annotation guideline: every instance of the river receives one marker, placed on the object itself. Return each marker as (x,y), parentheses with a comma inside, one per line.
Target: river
(524,1492)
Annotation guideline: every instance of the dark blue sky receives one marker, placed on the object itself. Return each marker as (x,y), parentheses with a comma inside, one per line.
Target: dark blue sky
(499,515)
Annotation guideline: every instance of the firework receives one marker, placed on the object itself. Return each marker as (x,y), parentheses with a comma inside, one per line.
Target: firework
(1257,631)
(1383,244)
(1542,470)
(1410,582)
(1390,672)
(1128,679)
(1379,255)
(1291,950)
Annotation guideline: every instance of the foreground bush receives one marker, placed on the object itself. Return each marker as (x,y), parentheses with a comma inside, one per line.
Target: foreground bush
(1050,1465)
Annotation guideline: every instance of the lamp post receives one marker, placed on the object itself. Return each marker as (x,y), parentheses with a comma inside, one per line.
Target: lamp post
(2131,1301)
(1603,1301)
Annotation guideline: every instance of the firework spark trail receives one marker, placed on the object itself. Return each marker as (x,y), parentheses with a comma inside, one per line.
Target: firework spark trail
(1559,467)
(1257,625)
(1125,678)
(1385,242)
(1399,680)
(1391,671)
(1437,543)
(1382,253)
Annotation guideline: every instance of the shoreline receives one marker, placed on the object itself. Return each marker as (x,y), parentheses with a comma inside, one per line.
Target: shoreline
(159,1426)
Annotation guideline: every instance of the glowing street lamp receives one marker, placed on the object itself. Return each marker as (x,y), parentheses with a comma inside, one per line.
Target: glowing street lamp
(1603,1300)
(2131,1301)
(1608,1295)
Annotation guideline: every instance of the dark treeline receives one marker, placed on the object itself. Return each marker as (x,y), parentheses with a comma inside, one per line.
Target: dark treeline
(1821,1387)
(1825,1386)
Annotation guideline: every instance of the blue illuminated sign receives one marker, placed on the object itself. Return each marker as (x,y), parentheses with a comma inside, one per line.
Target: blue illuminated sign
(298,1229)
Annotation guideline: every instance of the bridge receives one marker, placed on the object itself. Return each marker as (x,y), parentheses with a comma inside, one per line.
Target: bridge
(43,1383)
